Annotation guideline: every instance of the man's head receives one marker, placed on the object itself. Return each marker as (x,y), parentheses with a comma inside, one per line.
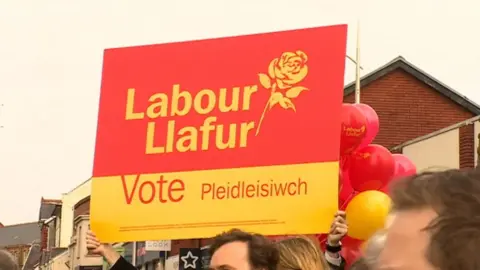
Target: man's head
(360,264)
(239,250)
(436,222)
(373,247)
(7,261)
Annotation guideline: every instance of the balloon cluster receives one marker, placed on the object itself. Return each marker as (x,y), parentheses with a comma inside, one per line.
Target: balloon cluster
(366,169)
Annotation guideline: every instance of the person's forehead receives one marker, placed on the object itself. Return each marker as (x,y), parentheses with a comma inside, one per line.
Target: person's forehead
(389,220)
(406,240)
(414,220)
(230,254)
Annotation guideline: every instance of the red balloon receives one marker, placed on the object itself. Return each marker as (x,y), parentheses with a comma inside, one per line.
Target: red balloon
(370,168)
(354,126)
(345,190)
(322,239)
(373,124)
(385,189)
(351,242)
(351,250)
(403,166)
(350,255)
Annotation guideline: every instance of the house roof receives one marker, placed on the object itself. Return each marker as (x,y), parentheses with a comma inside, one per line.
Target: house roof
(19,234)
(403,64)
(33,257)
(48,207)
(52,201)
(48,255)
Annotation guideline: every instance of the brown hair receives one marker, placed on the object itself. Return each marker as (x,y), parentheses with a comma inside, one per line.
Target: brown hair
(300,253)
(261,251)
(455,197)
(7,261)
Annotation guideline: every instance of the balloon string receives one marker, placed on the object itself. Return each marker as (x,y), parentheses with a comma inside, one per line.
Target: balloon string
(344,203)
(348,199)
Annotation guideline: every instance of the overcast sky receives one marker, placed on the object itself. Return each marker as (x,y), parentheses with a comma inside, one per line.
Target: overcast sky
(51,57)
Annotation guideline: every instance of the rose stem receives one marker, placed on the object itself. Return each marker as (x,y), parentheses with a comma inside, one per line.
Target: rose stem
(274,87)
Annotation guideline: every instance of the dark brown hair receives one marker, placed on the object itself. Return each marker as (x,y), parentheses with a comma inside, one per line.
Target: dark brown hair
(7,261)
(455,197)
(261,251)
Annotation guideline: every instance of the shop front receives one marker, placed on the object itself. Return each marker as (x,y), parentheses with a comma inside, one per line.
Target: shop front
(147,259)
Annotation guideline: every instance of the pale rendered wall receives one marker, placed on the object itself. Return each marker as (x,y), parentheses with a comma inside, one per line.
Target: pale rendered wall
(58,263)
(439,152)
(58,224)
(68,202)
(79,255)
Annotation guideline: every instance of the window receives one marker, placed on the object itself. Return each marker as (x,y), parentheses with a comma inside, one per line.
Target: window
(57,232)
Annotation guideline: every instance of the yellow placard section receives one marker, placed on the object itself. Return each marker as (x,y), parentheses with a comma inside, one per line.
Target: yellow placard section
(271,200)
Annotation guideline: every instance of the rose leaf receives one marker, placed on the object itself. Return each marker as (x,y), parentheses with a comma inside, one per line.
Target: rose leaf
(295,91)
(275,99)
(288,104)
(265,80)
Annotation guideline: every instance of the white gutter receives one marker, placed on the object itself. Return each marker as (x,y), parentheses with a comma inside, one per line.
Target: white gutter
(467,122)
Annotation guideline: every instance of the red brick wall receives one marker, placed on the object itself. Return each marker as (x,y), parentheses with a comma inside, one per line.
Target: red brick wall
(408,108)
(177,244)
(467,146)
(82,208)
(44,235)
(205,242)
(20,253)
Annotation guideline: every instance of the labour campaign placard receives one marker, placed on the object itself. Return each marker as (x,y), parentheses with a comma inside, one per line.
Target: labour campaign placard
(198,137)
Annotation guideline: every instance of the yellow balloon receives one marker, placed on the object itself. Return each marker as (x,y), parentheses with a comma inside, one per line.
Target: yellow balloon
(366,213)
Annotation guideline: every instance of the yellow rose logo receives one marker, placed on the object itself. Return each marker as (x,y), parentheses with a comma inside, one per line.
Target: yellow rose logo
(289,69)
(284,75)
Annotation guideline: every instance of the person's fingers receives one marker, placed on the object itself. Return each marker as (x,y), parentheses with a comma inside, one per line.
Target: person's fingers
(335,220)
(332,228)
(92,239)
(342,228)
(91,235)
(92,245)
(340,224)
(340,220)
(93,242)
(340,213)
(342,231)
